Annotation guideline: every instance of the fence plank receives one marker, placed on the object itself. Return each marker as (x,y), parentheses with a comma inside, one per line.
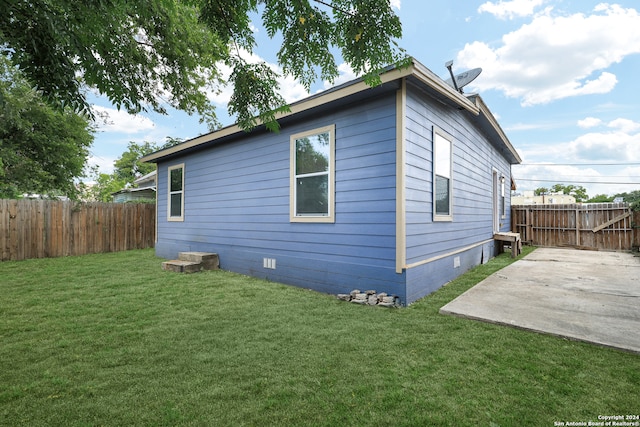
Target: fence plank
(13,229)
(4,241)
(600,226)
(50,228)
(635,225)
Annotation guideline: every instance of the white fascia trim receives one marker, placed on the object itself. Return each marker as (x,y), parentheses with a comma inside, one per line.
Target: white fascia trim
(432,80)
(297,107)
(484,109)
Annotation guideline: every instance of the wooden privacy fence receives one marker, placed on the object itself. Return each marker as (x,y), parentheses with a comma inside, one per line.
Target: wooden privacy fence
(49,228)
(597,226)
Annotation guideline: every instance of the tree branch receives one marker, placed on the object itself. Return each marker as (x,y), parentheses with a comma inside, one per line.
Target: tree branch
(140,42)
(346,12)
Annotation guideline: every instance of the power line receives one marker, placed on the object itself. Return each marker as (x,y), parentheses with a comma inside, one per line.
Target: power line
(559,180)
(571,177)
(578,164)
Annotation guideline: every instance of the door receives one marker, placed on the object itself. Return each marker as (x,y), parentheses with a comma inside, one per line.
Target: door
(496,200)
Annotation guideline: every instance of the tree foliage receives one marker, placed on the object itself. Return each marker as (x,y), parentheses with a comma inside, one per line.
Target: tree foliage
(42,150)
(541,191)
(600,198)
(126,169)
(102,187)
(631,197)
(577,191)
(148,55)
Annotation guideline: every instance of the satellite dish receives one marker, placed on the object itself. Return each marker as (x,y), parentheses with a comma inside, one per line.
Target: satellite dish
(462,79)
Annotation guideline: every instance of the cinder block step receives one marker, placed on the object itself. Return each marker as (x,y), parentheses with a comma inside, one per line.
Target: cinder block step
(208,260)
(181,266)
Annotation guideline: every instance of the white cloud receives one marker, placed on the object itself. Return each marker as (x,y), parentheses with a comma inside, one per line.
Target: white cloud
(290,89)
(605,153)
(535,176)
(395,4)
(615,146)
(618,144)
(625,125)
(533,125)
(105,164)
(603,84)
(589,122)
(510,9)
(346,75)
(112,120)
(555,57)
(596,180)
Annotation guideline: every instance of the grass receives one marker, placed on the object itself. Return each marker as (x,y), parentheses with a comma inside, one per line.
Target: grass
(112,340)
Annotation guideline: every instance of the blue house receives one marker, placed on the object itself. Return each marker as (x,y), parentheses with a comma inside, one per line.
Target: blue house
(397,188)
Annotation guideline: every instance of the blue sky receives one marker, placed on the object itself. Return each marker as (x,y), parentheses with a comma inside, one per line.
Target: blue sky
(561,76)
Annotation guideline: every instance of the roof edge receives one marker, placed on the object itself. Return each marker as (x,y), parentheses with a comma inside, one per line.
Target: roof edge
(330,95)
(416,69)
(484,109)
(432,80)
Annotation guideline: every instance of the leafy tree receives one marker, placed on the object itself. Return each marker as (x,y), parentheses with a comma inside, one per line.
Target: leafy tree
(633,198)
(146,55)
(577,191)
(42,150)
(103,186)
(128,168)
(600,198)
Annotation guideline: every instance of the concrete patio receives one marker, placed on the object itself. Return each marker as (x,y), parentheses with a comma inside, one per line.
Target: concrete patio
(580,295)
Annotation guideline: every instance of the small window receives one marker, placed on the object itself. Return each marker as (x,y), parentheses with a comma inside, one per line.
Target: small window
(175,202)
(312,175)
(442,176)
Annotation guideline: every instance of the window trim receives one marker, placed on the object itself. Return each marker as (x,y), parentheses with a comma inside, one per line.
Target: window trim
(293,215)
(169,193)
(437,132)
(503,199)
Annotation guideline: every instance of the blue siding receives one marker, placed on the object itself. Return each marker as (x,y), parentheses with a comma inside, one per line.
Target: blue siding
(237,200)
(237,204)
(427,278)
(474,158)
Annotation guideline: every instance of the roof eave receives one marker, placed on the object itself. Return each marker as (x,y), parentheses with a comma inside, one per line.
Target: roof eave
(429,78)
(486,115)
(475,105)
(313,101)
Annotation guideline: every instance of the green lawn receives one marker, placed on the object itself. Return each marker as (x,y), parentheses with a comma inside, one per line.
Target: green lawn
(113,340)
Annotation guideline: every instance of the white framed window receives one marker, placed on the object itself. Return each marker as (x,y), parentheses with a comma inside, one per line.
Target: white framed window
(175,187)
(313,175)
(442,176)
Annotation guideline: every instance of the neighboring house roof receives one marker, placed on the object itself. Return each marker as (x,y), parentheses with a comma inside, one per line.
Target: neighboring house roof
(144,183)
(148,180)
(134,195)
(134,190)
(416,72)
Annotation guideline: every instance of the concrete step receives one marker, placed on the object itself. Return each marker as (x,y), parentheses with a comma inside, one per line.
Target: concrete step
(181,266)
(208,260)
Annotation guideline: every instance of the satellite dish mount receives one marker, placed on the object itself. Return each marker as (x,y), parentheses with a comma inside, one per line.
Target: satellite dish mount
(462,79)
